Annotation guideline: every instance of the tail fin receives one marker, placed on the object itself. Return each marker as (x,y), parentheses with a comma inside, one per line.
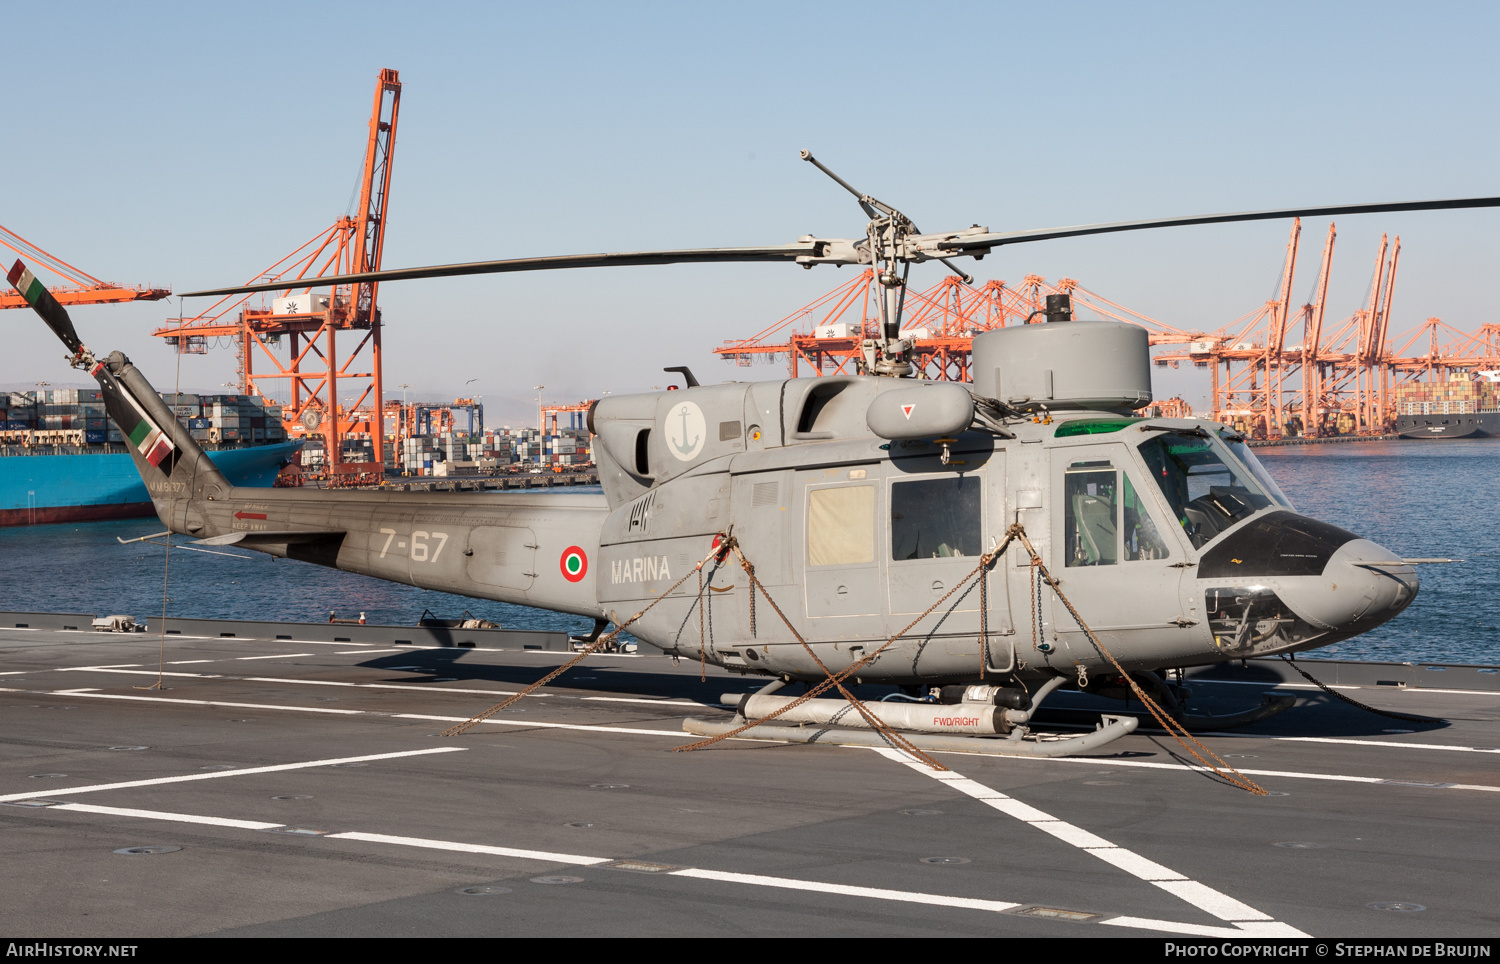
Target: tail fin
(171,464)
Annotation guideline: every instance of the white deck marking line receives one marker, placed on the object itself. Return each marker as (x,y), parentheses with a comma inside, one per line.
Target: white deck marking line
(364,652)
(1199,895)
(375,686)
(174,817)
(1346,741)
(877,893)
(276,656)
(1245,929)
(17,672)
(299,642)
(165,699)
(426,844)
(252,639)
(1290,774)
(1387,743)
(323,709)
(138,672)
(404,649)
(221,774)
(539,725)
(1088,761)
(641,699)
(185,662)
(1350,686)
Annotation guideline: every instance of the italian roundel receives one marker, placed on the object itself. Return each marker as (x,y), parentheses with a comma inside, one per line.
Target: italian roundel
(574,564)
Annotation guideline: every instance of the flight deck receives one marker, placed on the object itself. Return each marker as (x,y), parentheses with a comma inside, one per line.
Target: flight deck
(301,787)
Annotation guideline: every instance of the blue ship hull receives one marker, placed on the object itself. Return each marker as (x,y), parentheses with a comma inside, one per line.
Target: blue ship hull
(38,489)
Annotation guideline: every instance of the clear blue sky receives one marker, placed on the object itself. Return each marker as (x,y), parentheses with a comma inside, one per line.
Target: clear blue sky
(193,144)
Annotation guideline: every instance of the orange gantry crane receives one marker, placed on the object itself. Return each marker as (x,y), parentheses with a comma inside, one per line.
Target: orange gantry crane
(80,288)
(825,335)
(310,369)
(1337,381)
(575,414)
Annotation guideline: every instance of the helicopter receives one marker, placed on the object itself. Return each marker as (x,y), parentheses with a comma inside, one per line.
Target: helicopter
(790,529)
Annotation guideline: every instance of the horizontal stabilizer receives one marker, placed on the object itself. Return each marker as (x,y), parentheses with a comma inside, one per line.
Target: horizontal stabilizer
(259,537)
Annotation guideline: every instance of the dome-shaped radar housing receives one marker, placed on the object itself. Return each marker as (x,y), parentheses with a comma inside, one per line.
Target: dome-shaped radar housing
(1097,366)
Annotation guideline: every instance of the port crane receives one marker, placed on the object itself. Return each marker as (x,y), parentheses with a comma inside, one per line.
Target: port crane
(80,287)
(302,341)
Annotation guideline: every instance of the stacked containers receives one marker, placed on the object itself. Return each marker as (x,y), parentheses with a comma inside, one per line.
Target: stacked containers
(1460,395)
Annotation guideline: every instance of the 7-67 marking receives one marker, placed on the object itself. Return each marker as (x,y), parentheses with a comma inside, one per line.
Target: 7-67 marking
(419,546)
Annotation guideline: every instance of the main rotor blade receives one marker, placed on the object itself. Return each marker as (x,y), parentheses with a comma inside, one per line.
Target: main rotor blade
(964,243)
(39,298)
(781,252)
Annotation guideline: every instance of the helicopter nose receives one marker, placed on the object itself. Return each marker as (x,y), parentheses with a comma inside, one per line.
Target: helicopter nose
(1362,586)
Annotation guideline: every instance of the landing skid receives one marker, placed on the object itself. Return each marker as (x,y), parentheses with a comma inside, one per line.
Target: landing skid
(1018,743)
(988,729)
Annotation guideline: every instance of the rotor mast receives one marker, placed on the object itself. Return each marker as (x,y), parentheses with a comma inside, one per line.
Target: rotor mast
(886,244)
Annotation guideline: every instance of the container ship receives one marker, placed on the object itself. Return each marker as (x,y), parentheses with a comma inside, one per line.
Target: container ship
(1465,406)
(62,460)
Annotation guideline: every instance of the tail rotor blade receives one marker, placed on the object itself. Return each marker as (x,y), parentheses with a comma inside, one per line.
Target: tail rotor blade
(39,298)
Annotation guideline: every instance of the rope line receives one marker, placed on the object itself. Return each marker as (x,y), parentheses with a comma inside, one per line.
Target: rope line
(833,680)
(1392,714)
(602,641)
(1177,730)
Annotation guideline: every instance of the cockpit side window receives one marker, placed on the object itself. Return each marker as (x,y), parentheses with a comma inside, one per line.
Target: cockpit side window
(1257,468)
(1206,489)
(1142,539)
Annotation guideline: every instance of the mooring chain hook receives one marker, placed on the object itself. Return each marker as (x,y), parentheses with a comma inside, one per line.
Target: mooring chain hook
(750,573)
(1038,635)
(986,561)
(1083,676)
(984,617)
(702,635)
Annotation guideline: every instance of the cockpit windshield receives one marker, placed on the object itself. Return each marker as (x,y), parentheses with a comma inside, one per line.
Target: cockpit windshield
(1207,488)
(1236,444)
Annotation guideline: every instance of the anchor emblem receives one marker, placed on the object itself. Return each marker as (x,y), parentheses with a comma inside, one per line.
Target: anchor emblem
(685,439)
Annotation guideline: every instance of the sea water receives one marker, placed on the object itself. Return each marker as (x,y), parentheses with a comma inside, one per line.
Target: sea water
(1420,499)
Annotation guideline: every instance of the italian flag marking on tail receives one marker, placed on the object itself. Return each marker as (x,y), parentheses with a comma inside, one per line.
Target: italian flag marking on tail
(145,435)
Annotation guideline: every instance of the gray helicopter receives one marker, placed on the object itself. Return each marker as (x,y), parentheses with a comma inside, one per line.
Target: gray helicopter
(881,527)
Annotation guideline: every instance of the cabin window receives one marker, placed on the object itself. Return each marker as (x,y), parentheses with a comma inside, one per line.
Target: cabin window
(841,526)
(935,518)
(1092,516)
